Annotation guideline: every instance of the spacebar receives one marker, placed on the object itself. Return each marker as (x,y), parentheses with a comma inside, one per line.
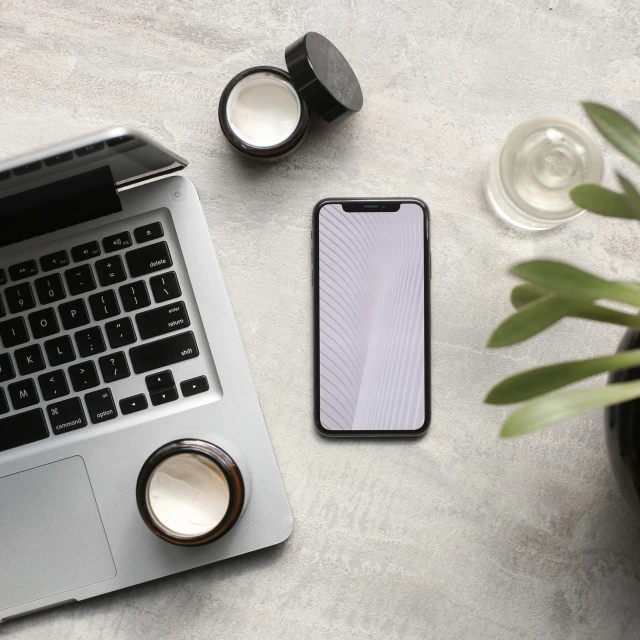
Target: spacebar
(22,428)
(162,353)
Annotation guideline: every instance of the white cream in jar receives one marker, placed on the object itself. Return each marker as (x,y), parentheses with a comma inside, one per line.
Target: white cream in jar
(188,495)
(263,109)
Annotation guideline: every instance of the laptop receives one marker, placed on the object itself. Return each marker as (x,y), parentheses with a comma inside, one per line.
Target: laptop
(116,338)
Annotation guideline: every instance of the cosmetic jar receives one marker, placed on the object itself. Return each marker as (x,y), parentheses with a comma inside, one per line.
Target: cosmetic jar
(264,112)
(190,492)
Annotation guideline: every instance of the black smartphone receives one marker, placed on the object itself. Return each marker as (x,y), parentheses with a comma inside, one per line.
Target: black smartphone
(371,277)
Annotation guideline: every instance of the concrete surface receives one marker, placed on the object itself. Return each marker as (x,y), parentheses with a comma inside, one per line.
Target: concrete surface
(459,535)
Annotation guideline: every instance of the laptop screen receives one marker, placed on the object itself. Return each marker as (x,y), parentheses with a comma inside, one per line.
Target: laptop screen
(75,181)
(130,156)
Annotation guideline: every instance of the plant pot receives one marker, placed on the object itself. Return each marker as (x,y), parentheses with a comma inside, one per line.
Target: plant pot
(622,429)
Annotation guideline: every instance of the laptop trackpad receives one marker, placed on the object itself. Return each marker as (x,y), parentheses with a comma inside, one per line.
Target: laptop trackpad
(51,535)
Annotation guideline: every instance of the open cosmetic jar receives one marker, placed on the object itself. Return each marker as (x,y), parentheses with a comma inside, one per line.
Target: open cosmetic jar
(264,112)
(263,116)
(190,492)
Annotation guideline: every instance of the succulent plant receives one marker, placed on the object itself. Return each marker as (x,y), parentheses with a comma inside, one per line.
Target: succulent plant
(555,290)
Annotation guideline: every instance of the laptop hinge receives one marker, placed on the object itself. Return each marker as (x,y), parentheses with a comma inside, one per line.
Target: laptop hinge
(58,205)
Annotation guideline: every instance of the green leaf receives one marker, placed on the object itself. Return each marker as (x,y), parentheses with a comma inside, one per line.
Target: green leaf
(531,319)
(525,293)
(631,194)
(604,202)
(567,279)
(536,382)
(616,128)
(544,411)
(610,316)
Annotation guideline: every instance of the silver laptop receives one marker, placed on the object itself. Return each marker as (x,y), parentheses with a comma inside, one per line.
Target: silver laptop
(108,275)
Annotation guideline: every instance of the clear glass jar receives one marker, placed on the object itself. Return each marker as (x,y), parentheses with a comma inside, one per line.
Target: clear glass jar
(529,180)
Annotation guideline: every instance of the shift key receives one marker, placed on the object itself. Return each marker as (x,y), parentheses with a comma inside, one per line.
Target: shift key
(163,353)
(149,259)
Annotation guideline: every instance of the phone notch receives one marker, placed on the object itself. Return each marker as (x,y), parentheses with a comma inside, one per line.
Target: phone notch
(378,205)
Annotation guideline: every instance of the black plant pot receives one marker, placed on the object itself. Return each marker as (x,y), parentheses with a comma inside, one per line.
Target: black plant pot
(622,427)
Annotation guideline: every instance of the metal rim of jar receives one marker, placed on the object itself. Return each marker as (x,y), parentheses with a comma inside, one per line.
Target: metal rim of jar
(262,152)
(229,469)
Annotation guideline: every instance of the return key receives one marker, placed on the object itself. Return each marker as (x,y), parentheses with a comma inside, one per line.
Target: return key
(157,322)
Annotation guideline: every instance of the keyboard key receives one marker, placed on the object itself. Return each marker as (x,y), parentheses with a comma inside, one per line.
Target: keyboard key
(114,367)
(165,287)
(159,381)
(80,280)
(120,332)
(23,270)
(3,277)
(2,311)
(133,404)
(162,388)
(90,342)
(50,289)
(22,428)
(194,386)
(53,384)
(134,296)
(59,158)
(163,353)
(150,259)
(59,351)
(104,305)
(6,368)
(110,271)
(157,322)
(27,168)
(117,242)
(90,148)
(23,394)
(66,415)
(4,405)
(83,376)
(114,142)
(29,359)
(85,251)
(149,232)
(43,323)
(100,406)
(74,314)
(13,332)
(164,396)
(55,260)
(20,298)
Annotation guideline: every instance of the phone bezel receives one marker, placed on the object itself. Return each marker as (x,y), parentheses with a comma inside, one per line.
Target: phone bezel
(372,202)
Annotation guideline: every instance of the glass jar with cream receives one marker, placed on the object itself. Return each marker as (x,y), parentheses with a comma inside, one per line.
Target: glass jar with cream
(264,111)
(190,492)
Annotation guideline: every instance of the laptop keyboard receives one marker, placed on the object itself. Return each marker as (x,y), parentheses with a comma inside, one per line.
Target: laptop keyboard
(130,288)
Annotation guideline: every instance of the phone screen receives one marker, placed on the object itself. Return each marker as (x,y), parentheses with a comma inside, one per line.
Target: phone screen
(371,318)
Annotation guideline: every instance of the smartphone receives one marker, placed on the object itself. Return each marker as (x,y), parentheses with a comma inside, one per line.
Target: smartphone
(371,278)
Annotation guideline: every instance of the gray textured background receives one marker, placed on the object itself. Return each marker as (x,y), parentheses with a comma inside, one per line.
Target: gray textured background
(458,535)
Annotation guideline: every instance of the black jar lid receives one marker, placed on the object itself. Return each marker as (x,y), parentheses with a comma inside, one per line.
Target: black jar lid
(323,77)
